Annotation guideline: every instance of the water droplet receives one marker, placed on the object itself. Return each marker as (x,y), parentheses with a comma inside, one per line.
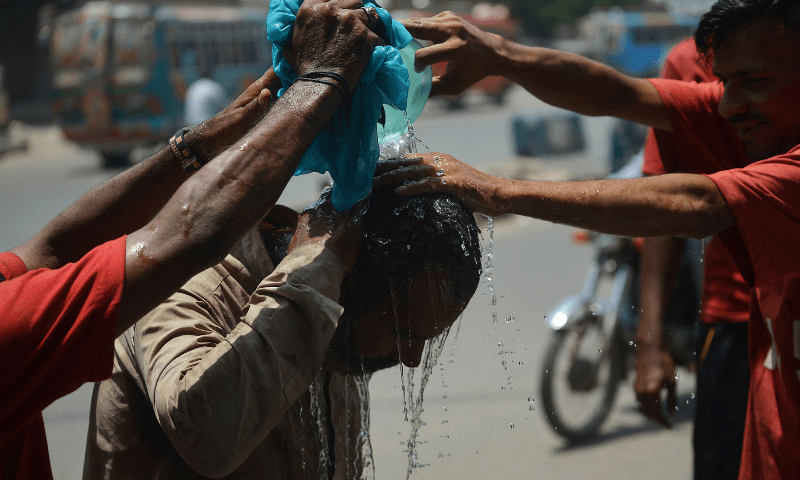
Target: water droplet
(512,426)
(676,408)
(444,182)
(441,456)
(439,173)
(444,408)
(600,350)
(677,376)
(630,343)
(503,388)
(692,395)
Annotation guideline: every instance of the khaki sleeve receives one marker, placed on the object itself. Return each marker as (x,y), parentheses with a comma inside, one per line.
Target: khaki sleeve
(217,395)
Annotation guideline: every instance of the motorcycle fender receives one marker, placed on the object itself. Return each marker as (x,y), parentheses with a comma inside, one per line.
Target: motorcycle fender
(565,313)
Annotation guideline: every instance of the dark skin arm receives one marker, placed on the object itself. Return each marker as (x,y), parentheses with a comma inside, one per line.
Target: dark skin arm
(677,204)
(209,213)
(189,225)
(558,78)
(655,369)
(129,200)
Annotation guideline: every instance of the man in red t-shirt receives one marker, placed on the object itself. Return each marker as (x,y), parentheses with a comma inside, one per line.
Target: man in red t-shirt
(723,371)
(755,47)
(125,246)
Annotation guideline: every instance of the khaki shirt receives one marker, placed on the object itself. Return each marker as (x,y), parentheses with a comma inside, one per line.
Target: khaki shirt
(215,381)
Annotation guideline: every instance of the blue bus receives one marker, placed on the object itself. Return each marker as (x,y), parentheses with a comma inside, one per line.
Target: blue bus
(635,43)
(120,72)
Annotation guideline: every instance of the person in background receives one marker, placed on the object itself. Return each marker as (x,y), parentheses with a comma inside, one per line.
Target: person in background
(755,110)
(255,371)
(204,98)
(129,243)
(723,372)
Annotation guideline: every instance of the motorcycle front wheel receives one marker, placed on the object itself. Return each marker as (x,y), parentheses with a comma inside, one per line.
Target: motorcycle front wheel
(582,369)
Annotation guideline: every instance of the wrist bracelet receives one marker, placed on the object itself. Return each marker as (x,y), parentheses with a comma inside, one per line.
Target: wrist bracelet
(343,86)
(182,153)
(326,82)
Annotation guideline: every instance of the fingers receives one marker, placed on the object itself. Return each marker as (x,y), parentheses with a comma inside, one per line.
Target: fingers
(426,185)
(429,28)
(650,406)
(401,174)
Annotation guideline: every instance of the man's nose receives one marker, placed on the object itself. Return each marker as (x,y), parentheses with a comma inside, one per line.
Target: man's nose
(732,103)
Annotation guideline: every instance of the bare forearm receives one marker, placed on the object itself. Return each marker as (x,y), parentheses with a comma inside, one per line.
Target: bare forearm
(679,204)
(114,208)
(212,210)
(660,259)
(584,86)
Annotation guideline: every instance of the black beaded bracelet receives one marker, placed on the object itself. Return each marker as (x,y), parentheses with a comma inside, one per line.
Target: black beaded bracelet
(325,82)
(183,153)
(332,75)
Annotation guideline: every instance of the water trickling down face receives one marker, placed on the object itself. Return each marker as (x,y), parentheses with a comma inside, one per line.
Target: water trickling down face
(418,267)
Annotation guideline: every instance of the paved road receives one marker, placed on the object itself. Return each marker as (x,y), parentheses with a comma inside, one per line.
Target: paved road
(468,432)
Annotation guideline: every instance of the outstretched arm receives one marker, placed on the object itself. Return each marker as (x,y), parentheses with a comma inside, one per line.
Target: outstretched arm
(677,204)
(558,78)
(211,211)
(129,200)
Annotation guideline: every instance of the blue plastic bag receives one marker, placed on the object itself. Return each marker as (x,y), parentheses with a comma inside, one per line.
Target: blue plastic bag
(349,151)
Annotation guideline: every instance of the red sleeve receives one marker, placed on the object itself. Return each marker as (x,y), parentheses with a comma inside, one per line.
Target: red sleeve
(764,198)
(702,141)
(661,149)
(11,266)
(58,331)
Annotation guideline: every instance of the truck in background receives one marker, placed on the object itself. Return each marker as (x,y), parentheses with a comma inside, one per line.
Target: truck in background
(120,71)
(634,42)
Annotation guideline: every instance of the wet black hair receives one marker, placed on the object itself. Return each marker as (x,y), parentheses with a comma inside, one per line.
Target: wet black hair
(403,237)
(406,235)
(727,15)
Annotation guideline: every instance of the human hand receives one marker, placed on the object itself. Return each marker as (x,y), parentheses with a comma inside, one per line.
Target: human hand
(216,134)
(470,52)
(439,172)
(655,370)
(341,232)
(332,36)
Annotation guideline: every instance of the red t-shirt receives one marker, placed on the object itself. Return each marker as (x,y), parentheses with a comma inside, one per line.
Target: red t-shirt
(764,198)
(58,331)
(726,296)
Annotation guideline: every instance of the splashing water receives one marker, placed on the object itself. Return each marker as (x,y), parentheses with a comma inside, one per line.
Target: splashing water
(364,456)
(488,267)
(318,409)
(430,358)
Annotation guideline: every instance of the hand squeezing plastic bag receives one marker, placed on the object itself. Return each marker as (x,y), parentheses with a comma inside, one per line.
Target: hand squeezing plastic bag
(348,146)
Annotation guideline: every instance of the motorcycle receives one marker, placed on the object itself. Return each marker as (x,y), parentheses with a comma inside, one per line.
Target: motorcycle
(591,350)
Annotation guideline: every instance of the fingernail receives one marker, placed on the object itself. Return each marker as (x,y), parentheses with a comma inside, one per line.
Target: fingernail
(401,189)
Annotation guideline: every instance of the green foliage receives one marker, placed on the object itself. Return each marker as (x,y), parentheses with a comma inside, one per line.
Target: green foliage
(541,17)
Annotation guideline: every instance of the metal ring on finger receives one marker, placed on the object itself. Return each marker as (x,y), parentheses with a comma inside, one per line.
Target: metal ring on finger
(372,17)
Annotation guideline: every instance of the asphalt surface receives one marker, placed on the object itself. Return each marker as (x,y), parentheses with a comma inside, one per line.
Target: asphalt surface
(477,410)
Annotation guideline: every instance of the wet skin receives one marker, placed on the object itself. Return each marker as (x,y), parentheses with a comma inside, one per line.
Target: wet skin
(423,310)
(759,64)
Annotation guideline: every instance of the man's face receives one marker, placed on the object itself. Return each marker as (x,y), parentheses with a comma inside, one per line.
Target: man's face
(759,64)
(396,328)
